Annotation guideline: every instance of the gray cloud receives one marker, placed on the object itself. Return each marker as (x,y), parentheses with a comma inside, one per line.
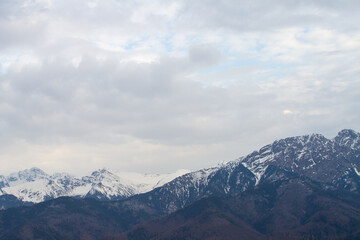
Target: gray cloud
(267,16)
(176,84)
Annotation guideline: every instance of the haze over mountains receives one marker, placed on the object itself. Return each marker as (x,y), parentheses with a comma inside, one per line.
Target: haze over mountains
(293,188)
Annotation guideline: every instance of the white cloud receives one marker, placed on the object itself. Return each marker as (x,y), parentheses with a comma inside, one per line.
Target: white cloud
(128,84)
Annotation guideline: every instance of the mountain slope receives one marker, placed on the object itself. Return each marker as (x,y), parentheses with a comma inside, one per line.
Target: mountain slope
(69,218)
(282,206)
(184,190)
(9,201)
(333,163)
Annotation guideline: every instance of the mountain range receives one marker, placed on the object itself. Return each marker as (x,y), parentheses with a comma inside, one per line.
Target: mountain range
(305,187)
(282,206)
(332,163)
(34,185)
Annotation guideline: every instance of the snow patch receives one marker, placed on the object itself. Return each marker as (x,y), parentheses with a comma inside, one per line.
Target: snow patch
(147,182)
(357,172)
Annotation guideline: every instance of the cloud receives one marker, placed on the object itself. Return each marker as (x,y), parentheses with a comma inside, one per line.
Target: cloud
(153,85)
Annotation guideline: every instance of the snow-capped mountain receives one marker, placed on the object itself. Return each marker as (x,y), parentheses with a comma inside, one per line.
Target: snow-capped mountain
(299,188)
(34,185)
(222,180)
(332,163)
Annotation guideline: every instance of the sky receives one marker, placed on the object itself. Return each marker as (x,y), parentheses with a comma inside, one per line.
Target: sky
(155,86)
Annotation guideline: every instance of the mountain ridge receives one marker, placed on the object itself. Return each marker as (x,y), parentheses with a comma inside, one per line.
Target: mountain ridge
(34,185)
(304,187)
(283,205)
(333,162)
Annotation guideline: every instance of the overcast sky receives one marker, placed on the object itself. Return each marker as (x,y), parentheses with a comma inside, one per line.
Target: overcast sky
(155,86)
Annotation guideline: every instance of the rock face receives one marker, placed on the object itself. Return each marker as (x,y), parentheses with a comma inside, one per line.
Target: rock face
(333,162)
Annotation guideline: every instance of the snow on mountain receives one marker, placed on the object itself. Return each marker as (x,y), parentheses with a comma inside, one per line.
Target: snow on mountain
(324,160)
(3,182)
(27,175)
(34,191)
(231,178)
(34,185)
(106,185)
(332,163)
(146,182)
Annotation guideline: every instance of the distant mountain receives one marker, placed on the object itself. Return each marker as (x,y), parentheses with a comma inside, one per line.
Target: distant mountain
(332,162)
(304,187)
(283,205)
(34,185)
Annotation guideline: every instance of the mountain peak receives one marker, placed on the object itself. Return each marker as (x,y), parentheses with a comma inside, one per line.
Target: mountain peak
(28,175)
(311,155)
(347,133)
(100,173)
(37,171)
(348,138)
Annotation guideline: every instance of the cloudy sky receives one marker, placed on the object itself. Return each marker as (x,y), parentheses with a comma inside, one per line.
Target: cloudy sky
(154,86)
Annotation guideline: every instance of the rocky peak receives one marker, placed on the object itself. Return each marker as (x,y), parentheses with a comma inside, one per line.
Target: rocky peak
(28,175)
(348,138)
(312,155)
(100,173)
